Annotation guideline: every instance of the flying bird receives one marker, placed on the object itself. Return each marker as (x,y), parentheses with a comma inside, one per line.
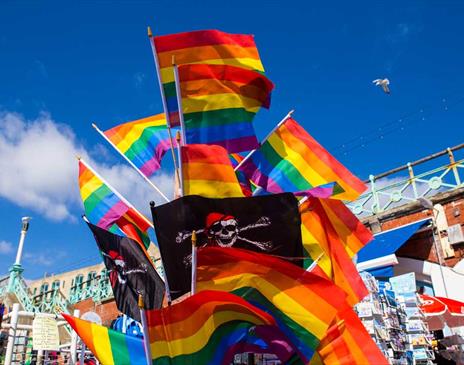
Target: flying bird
(384,83)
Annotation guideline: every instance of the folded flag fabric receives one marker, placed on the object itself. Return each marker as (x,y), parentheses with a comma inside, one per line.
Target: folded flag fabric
(105,208)
(131,272)
(205,47)
(291,160)
(207,171)
(269,224)
(219,103)
(109,347)
(347,342)
(322,242)
(201,328)
(303,304)
(144,142)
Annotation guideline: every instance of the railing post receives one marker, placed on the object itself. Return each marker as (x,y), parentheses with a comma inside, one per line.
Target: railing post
(453,166)
(376,206)
(412,180)
(12,334)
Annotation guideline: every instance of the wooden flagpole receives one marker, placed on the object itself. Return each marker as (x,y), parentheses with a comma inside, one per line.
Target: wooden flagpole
(194,263)
(265,139)
(163,98)
(116,192)
(131,163)
(179,99)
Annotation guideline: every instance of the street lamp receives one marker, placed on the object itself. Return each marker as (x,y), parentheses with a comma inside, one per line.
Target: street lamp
(24,228)
(428,204)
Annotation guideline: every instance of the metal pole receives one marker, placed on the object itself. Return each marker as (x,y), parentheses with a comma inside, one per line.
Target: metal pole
(24,228)
(181,174)
(163,97)
(12,334)
(435,245)
(131,163)
(146,338)
(194,263)
(73,348)
(265,139)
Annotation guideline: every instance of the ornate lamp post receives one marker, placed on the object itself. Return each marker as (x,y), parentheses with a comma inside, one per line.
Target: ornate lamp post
(16,270)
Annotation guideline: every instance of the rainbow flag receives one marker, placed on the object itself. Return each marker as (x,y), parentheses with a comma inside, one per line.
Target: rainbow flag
(348,342)
(291,160)
(104,208)
(206,47)
(201,328)
(143,141)
(303,304)
(207,171)
(322,242)
(109,347)
(219,103)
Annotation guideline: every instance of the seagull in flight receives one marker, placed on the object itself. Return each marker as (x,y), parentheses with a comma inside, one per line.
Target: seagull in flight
(384,83)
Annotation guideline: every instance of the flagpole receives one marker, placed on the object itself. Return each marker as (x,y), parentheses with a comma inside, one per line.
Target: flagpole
(179,99)
(146,339)
(163,97)
(265,139)
(194,263)
(181,172)
(131,163)
(115,191)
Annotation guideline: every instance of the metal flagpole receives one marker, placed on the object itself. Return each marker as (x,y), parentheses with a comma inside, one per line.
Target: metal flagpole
(146,339)
(194,263)
(179,99)
(179,152)
(131,163)
(163,97)
(116,192)
(265,139)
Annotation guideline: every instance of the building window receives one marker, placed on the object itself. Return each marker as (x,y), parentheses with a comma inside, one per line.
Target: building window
(56,285)
(78,281)
(34,292)
(43,288)
(90,278)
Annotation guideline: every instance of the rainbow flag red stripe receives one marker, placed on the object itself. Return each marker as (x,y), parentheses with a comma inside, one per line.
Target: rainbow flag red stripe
(219,103)
(347,342)
(109,347)
(205,47)
(143,141)
(201,328)
(322,242)
(207,171)
(104,208)
(291,160)
(303,304)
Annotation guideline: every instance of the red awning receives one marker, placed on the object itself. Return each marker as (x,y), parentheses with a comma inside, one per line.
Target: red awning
(441,311)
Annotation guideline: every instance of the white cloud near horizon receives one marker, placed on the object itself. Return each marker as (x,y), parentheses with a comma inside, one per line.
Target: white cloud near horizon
(39,169)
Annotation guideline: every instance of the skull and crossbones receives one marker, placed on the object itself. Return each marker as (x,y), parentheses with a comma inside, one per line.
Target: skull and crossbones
(119,272)
(224,231)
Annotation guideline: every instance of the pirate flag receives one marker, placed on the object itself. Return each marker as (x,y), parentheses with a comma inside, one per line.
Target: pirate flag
(130,271)
(267,224)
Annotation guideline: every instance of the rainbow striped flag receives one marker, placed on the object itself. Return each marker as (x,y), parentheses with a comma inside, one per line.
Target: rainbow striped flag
(348,342)
(322,242)
(303,304)
(206,47)
(201,328)
(143,141)
(109,347)
(207,171)
(291,160)
(105,208)
(219,103)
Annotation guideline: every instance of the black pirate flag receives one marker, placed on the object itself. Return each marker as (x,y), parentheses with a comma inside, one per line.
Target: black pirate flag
(269,224)
(130,272)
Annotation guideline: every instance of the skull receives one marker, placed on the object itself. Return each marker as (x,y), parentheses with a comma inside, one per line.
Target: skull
(224,232)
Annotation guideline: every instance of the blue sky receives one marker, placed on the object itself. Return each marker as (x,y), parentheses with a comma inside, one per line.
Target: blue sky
(63,67)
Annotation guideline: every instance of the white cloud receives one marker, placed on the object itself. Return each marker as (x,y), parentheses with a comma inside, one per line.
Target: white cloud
(39,169)
(39,259)
(5,247)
